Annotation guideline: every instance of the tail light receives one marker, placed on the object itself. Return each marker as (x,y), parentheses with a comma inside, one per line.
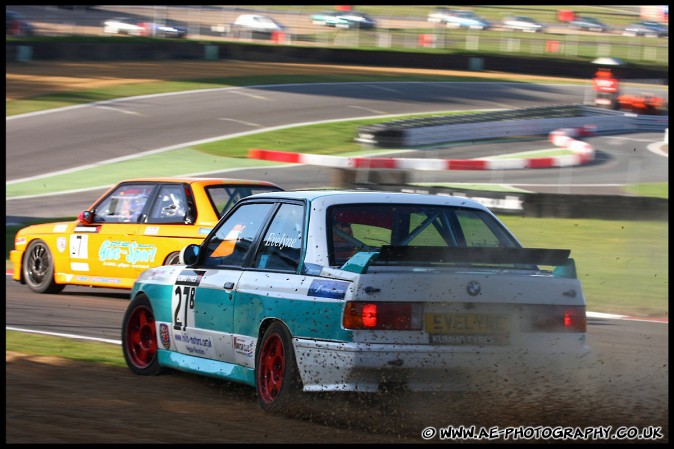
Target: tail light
(382,315)
(555,319)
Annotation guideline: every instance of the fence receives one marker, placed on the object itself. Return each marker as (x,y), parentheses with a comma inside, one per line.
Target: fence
(215,23)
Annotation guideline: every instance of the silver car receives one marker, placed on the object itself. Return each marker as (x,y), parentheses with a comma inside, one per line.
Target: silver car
(523,23)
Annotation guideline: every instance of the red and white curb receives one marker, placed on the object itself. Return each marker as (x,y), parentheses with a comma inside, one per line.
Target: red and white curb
(564,137)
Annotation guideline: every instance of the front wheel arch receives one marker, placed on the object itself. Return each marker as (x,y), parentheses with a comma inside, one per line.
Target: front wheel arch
(139,337)
(37,268)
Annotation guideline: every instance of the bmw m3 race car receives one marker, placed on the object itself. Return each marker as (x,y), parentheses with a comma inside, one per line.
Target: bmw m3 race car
(358,291)
(135,225)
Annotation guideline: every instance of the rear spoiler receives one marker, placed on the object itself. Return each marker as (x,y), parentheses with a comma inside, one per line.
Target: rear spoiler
(559,258)
(441,254)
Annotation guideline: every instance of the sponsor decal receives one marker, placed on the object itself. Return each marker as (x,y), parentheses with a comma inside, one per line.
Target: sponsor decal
(190,277)
(193,344)
(61,244)
(244,346)
(105,280)
(328,289)
(20,241)
(87,229)
(60,228)
(164,336)
(151,230)
(79,245)
(204,231)
(133,252)
(80,278)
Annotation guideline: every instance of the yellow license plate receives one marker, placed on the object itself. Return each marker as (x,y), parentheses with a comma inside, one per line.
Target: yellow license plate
(467,323)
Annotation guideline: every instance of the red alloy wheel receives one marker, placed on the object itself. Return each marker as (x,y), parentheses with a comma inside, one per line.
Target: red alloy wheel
(271,369)
(141,339)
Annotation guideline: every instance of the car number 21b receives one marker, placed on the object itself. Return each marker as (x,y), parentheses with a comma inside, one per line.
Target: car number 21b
(183,302)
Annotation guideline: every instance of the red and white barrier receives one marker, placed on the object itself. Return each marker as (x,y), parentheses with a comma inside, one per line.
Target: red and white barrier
(583,153)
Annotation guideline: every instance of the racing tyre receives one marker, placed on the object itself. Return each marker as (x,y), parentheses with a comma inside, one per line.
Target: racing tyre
(139,337)
(277,378)
(38,268)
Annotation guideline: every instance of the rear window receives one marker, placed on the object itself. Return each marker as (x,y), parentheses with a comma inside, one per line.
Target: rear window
(354,228)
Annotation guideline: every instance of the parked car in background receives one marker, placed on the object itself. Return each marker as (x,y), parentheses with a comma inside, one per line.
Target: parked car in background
(166,28)
(135,225)
(344,19)
(359,291)
(258,23)
(588,24)
(16,25)
(523,23)
(326,18)
(646,28)
(356,19)
(127,26)
(456,18)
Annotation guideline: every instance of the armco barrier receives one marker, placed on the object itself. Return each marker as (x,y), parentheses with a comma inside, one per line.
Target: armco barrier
(414,133)
(537,205)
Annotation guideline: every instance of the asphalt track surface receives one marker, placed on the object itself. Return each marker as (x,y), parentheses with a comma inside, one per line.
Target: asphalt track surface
(56,141)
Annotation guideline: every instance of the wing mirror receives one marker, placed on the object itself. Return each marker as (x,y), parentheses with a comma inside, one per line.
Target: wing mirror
(189,254)
(86,217)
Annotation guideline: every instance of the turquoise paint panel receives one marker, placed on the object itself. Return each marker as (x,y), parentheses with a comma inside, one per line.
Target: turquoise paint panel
(160,298)
(305,318)
(206,367)
(360,262)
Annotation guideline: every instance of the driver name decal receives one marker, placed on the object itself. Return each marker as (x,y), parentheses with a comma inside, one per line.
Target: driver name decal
(280,241)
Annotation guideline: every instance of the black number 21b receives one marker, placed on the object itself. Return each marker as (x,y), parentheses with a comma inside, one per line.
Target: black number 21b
(185,295)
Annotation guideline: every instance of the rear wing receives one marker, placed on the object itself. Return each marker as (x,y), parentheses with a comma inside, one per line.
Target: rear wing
(438,254)
(435,255)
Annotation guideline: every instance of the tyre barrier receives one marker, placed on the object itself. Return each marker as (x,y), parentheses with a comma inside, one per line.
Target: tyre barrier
(565,138)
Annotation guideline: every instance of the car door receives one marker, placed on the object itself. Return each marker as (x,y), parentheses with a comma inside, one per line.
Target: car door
(274,284)
(205,293)
(106,249)
(167,225)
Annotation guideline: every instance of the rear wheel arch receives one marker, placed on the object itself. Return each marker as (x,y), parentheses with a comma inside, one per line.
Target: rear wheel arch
(173,258)
(277,380)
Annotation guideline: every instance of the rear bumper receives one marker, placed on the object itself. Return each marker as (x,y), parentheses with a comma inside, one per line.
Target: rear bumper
(333,366)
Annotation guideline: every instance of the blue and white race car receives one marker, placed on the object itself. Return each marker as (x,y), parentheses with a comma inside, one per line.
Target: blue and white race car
(313,291)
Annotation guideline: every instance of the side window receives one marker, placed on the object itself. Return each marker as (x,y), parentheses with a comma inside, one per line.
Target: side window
(475,230)
(170,206)
(282,244)
(124,205)
(232,241)
(224,197)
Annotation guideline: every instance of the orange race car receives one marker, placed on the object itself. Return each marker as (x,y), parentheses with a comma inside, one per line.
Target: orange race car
(607,95)
(135,225)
